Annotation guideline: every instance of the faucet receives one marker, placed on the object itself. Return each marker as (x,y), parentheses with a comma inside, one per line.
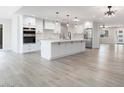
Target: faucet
(69,35)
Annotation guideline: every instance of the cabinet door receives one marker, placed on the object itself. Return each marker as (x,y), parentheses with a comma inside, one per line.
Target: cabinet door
(27,48)
(39,25)
(38,45)
(30,48)
(49,25)
(28,21)
(57,28)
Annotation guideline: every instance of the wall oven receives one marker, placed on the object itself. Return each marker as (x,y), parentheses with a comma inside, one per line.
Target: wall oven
(29,35)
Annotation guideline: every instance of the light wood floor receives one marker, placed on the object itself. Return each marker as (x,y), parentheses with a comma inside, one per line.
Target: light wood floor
(95,67)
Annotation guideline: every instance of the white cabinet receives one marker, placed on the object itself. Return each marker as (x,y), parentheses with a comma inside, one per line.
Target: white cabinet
(30,48)
(49,24)
(39,25)
(19,24)
(27,48)
(55,49)
(57,28)
(38,45)
(29,21)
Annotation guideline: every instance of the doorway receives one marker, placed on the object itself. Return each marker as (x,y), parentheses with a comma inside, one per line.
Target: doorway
(1,36)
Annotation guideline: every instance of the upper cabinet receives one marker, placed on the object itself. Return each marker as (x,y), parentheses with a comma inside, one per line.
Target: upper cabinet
(39,25)
(52,26)
(49,25)
(29,21)
(57,28)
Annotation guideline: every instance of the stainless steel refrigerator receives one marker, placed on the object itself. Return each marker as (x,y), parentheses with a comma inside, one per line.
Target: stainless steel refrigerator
(88,37)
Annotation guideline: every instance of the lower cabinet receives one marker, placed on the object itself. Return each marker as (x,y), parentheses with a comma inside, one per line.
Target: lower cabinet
(30,48)
(66,48)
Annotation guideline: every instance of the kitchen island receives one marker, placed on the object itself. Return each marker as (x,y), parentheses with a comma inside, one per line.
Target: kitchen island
(52,49)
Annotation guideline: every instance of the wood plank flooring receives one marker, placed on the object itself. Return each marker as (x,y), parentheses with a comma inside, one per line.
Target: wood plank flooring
(102,67)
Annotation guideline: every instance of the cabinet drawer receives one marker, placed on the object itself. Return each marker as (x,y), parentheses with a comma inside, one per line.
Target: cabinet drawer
(29,48)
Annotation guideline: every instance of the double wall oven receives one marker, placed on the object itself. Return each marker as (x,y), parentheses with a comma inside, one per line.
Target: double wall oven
(29,35)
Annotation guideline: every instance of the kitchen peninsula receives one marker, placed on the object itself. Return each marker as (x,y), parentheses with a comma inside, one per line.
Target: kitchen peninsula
(52,49)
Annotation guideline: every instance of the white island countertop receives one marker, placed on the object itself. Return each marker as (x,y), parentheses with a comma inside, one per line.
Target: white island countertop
(62,40)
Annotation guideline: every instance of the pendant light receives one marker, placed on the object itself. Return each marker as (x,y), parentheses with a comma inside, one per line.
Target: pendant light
(57,18)
(67,20)
(76,20)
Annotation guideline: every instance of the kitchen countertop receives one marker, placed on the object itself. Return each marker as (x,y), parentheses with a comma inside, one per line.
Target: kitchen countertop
(60,41)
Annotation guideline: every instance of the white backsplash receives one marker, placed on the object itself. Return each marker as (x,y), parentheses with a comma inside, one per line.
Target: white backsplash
(56,36)
(77,36)
(47,36)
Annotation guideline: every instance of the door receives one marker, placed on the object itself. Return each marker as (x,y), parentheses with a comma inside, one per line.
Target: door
(1,36)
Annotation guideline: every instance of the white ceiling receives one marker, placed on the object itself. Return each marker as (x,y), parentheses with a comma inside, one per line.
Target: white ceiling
(84,13)
(7,11)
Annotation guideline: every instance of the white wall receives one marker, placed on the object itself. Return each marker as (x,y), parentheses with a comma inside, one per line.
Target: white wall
(96,35)
(6,33)
(111,39)
(14,34)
